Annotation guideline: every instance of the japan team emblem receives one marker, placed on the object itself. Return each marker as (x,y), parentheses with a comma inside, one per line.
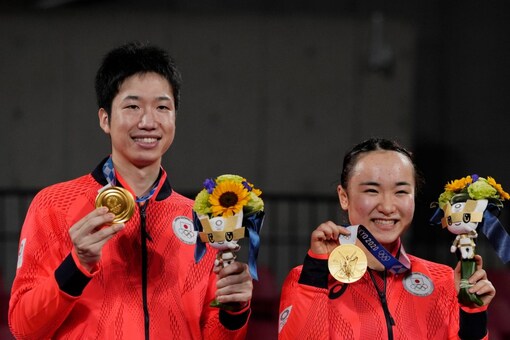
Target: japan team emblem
(183,229)
(418,284)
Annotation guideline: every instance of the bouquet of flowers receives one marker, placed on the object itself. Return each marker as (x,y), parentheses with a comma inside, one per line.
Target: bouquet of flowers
(227,209)
(227,195)
(475,188)
(466,204)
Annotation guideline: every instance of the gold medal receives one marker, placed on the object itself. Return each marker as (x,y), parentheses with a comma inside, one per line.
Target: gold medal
(119,201)
(347,263)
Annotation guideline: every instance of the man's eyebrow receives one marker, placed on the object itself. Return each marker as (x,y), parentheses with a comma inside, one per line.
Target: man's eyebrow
(134,97)
(130,97)
(164,98)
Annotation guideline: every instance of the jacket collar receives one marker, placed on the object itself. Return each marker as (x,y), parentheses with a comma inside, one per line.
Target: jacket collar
(164,189)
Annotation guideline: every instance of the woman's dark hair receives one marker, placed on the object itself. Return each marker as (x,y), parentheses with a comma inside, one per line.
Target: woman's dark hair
(374,144)
(130,59)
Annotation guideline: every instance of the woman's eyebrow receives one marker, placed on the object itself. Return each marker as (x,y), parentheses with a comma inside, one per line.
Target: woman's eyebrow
(378,184)
(402,183)
(370,183)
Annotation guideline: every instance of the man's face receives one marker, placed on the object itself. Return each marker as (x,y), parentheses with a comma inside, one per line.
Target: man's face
(142,121)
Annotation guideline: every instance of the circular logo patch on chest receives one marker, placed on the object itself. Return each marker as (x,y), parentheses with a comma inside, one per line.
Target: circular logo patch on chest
(183,229)
(284,316)
(418,284)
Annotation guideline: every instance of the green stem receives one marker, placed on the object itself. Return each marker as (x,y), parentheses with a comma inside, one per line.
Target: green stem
(467,269)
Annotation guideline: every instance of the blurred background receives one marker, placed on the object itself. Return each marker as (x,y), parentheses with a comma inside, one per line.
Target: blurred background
(276,91)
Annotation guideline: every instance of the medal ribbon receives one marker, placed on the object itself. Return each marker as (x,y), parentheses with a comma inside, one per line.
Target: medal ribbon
(351,238)
(109,174)
(392,264)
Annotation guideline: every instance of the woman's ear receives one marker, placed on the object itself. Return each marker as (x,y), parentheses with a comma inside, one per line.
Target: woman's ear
(342,197)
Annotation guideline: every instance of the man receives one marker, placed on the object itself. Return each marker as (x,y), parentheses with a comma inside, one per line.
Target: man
(86,269)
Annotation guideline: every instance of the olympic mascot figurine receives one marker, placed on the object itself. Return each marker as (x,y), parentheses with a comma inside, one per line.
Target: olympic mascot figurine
(226,210)
(466,204)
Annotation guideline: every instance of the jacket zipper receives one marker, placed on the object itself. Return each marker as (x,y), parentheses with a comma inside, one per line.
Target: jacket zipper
(144,236)
(390,322)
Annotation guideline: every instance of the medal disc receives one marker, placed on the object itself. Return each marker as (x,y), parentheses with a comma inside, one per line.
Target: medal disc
(119,201)
(347,263)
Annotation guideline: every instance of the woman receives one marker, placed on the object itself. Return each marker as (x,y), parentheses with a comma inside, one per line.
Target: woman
(399,296)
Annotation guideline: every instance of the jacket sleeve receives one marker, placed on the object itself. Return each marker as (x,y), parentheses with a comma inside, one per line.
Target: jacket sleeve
(473,323)
(304,301)
(222,324)
(466,323)
(48,282)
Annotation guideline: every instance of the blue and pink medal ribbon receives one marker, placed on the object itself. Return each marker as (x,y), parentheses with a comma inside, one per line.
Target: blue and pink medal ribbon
(391,263)
(109,174)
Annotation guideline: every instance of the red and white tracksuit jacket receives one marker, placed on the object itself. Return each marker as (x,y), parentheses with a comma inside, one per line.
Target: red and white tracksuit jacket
(147,284)
(421,304)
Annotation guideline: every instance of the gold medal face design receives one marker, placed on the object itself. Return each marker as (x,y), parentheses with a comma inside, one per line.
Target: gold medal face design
(119,201)
(347,263)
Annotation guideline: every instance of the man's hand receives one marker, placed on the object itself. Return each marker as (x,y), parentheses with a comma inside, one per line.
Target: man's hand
(89,237)
(234,284)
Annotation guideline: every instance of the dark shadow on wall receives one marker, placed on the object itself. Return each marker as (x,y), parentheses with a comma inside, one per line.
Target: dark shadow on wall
(431,159)
(5,334)
(265,304)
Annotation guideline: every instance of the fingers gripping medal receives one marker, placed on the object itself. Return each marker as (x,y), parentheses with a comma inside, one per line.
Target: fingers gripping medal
(119,201)
(347,263)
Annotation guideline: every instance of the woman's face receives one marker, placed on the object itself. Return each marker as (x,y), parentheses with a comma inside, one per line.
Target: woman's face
(380,195)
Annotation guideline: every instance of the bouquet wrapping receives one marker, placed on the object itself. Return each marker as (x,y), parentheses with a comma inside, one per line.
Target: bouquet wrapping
(226,210)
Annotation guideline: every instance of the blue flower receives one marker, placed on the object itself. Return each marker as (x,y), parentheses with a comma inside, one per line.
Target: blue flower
(247,186)
(209,185)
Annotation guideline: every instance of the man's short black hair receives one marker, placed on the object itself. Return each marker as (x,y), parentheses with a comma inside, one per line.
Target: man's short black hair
(130,59)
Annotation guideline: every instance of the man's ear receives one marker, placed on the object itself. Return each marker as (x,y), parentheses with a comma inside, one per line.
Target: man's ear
(104,122)
(342,197)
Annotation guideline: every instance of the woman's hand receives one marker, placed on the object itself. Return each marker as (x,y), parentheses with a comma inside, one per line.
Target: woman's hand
(482,287)
(325,238)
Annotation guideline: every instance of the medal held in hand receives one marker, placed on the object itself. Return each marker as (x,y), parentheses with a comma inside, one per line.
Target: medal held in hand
(347,263)
(119,201)
(228,209)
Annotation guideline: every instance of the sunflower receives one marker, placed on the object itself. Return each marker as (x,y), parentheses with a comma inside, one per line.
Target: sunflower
(228,198)
(458,184)
(473,187)
(504,195)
